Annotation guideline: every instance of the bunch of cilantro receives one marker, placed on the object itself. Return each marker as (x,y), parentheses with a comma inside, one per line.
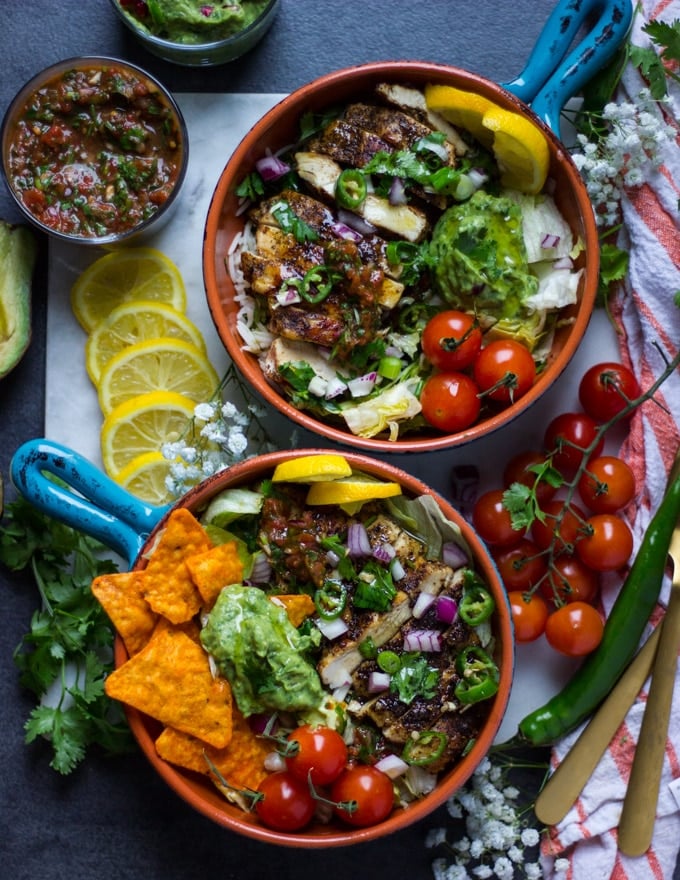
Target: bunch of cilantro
(67,653)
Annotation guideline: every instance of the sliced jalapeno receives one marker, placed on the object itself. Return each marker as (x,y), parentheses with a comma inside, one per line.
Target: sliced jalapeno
(317,283)
(351,189)
(424,747)
(476,606)
(389,662)
(330,600)
(478,675)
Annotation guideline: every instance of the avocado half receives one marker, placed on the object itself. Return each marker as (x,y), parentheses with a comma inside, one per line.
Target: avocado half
(17,260)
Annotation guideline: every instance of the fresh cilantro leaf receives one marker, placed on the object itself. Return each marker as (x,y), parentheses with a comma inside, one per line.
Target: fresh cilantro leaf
(651,67)
(374,589)
(655,67)
(297,376)
(414,678)
(290,222)
(613,267)
(521,503)
(251,187)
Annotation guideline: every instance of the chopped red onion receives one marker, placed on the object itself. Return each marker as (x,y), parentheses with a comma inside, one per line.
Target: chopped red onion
(550,240)
(262,571)
(447,609)
(317,386)
(332,558)
(339,693)
(397,194)
(332,629)
(423,640)
(271,168)
(362,385)
(287,296)
(355,222)
(384,553)
(420,780)
(358,544)
(392,766)
(378,682)
(335,387)
(342,230)
(422,603)
(260,722)
(478,177)
(438,149)
(397,570)
(453,555)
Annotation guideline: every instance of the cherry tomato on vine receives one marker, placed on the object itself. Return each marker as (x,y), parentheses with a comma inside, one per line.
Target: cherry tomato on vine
(561,527)
(520,566)
(451,340)
(287,803)
(571,580)
(450,401)
(504,370)
(320,753)
(493,522)
(529,615)
(606,389)
(607,544)
(607,485)
(368,790)
(574,629)
(568,436)
(518,470)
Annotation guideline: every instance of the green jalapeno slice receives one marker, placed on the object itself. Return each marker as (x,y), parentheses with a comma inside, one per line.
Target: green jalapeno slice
(476,606)
(479,675)
(351,189)
(330,600)
(317,283)
(424,747)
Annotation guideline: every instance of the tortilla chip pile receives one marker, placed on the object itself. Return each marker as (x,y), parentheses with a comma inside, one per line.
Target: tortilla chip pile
(168,675)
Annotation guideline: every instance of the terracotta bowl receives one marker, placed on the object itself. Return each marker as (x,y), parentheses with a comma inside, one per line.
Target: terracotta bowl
(197,791)
(278,128)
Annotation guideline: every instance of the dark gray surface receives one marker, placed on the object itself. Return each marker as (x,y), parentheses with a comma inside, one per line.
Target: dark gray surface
(115,818)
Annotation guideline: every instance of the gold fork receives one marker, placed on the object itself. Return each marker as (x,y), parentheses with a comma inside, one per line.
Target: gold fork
(639,807)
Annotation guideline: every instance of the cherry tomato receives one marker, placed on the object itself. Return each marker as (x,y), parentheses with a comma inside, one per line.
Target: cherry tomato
(493,521)
(561,527)
(608,543)
(519,470)
(321,754)
(569,435)
(451,340)
(571,580)
(368,790)
(574,629)
(529,615)
(287,803)
(450,401)
(520,566)
(605,390)
(607,485)
(504,370)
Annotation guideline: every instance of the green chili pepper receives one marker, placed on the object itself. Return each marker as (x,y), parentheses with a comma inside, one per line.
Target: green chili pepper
(479,675)
(389,367)
(330,600)
(389,662)
(351,189)
(424,748)
(415,317)
(317,283)
(623,630)
(476,606)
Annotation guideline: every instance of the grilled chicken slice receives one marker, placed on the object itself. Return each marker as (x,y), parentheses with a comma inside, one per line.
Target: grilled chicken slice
(412,101)
(400,130)
(405,221)
(289,351)
(349,144)
(323,325)
(278,256)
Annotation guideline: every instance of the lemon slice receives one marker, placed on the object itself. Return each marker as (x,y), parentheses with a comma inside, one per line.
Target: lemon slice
(463,109)
(156,365)
(520,148)
(124,275)
(310,468)
(142,424)
(133,322)
(144,477)
(351,492)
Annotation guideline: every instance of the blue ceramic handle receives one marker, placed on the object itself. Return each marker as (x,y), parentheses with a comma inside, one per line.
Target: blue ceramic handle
(98,506)
(547,81)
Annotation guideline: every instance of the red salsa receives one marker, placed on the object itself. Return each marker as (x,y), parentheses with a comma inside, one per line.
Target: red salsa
(95,151)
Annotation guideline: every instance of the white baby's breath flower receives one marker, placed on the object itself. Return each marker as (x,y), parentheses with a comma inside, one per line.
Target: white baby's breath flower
(205,411)
(482,871)
(503,869)
(533,870)
(561,866)
(529,837)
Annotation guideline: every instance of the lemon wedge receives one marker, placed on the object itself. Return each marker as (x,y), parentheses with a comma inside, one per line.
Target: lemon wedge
(520,148)
(133,322)
(350,492)
(144,477)
(142,424)
(124,275)
(461,108)
(311,468)
(163,364)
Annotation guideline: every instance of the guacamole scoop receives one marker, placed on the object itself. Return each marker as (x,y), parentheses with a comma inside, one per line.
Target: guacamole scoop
(480,259)
(260,653)
(194,21)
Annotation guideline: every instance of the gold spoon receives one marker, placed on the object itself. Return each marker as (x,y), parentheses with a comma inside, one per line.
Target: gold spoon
(639,807)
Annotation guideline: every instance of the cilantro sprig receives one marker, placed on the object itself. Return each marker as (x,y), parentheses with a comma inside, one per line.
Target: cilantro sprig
(655,65)
(66,655)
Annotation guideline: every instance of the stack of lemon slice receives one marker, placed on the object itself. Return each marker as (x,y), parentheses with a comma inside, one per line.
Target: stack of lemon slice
(146,359)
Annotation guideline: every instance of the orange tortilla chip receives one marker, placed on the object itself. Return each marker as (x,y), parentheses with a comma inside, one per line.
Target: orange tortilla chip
(241,763)
(299,606)
(216,568)
(189,628)
(170,680)
(168,587)
(121,596)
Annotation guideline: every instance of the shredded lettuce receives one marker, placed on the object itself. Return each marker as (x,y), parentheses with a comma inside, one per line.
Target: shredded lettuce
(541,217)
(384,411)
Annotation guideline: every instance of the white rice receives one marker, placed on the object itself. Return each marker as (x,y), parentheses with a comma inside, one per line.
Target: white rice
(256,338)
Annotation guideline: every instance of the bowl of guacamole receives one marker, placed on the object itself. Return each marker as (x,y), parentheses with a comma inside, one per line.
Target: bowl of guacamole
(194,33)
